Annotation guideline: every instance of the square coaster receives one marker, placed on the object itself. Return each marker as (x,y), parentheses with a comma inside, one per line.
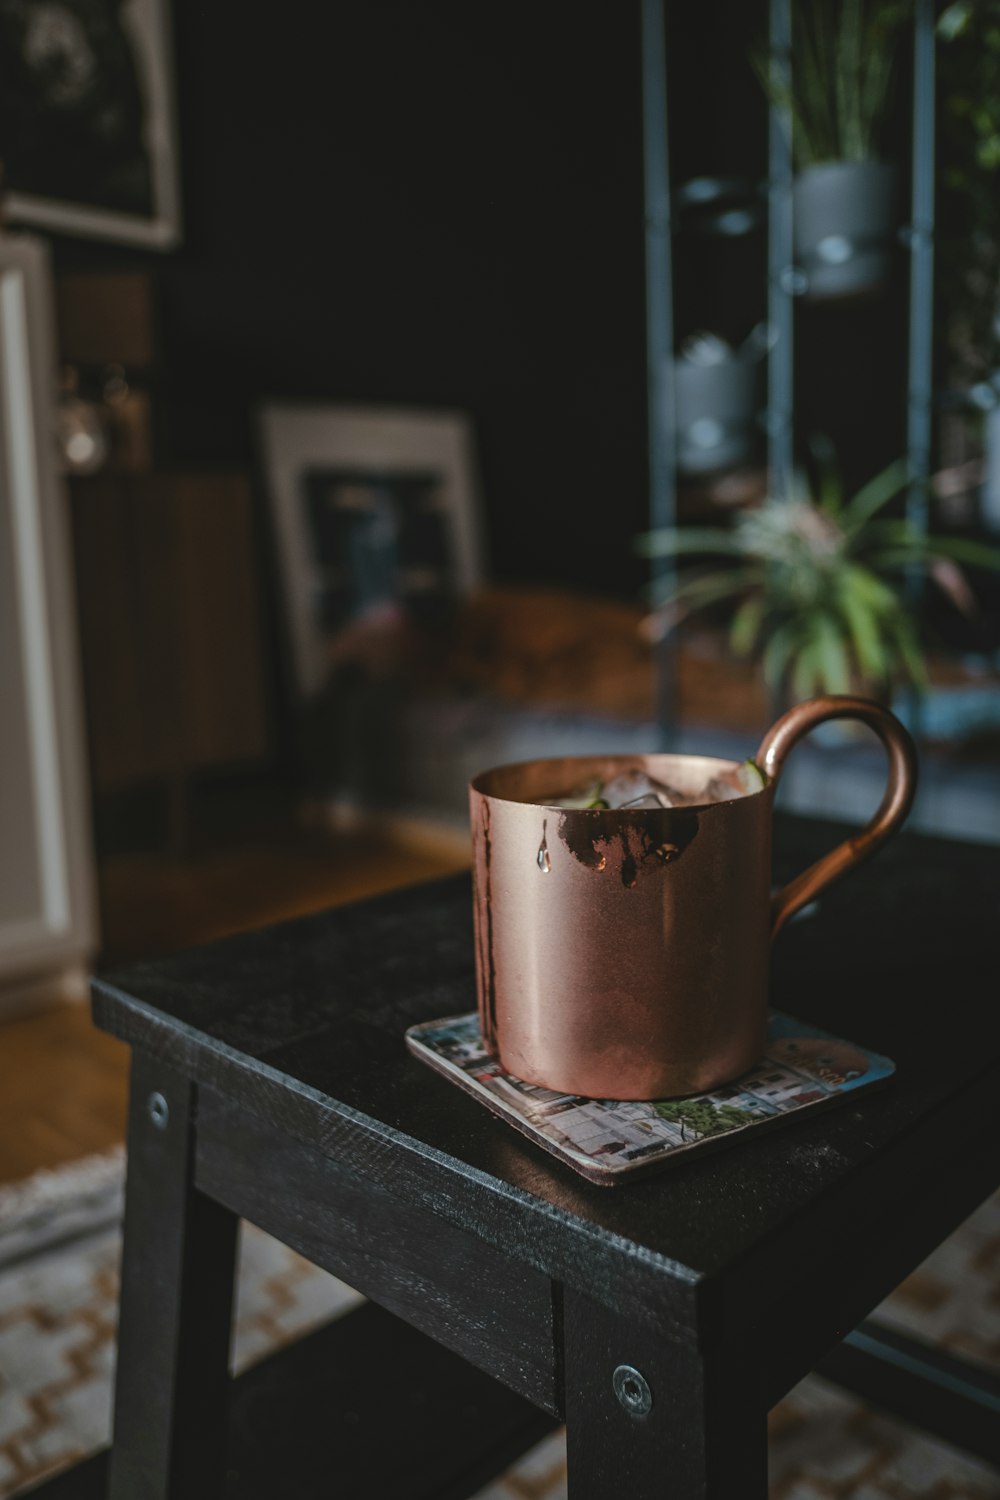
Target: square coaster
(608,1141)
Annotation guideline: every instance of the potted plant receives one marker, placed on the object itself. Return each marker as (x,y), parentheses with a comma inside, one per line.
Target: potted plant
(969,219)
(835,101)
(815,585)
(717,384)
(716,397)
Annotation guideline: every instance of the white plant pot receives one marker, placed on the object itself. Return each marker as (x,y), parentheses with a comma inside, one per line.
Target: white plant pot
(844,217)
(716,405)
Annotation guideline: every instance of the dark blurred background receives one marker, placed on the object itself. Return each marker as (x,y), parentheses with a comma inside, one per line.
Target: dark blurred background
(435,206)
(251,655)
(442,204)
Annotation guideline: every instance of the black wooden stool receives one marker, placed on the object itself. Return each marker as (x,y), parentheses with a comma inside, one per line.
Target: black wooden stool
(661,1319)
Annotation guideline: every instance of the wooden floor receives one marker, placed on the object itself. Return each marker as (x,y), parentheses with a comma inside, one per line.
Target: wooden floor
(62,1090)
(63,1084)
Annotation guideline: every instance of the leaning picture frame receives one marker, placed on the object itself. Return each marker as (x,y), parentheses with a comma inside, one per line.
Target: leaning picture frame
(88,133)
(367,504)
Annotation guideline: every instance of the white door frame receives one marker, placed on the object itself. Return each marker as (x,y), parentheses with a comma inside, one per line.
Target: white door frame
(59,933)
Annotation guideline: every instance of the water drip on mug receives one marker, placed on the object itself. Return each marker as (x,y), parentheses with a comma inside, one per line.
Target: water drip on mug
(544,858)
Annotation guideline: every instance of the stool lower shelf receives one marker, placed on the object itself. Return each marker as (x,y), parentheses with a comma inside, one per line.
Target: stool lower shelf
(365,1405)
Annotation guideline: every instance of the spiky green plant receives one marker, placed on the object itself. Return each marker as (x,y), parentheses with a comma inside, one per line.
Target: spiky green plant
(817,585)
(838,91)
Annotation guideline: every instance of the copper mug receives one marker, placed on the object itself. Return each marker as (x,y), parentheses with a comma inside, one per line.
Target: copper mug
(624,954)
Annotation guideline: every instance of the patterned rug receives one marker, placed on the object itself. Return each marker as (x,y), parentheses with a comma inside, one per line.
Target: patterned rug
(59,1244)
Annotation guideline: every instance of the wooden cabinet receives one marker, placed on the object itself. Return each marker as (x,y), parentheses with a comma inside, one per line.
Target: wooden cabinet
(170,625)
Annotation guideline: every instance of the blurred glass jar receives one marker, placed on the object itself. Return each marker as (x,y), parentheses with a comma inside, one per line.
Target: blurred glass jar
(128,421)
(81,433)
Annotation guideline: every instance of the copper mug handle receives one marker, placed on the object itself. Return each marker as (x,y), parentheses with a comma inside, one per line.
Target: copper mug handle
(896,802)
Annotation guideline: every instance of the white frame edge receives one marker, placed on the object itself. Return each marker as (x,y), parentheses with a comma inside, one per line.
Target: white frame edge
(296,436)
(63,931)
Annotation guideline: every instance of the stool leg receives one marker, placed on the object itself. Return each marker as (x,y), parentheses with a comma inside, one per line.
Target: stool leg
(178,1264)
(685,1423)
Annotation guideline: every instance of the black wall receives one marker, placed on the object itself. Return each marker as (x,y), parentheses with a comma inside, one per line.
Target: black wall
(427,203)
(440,202)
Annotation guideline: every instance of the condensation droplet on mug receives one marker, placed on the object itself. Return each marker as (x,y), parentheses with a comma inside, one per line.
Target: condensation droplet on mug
(666,852)
(544,858)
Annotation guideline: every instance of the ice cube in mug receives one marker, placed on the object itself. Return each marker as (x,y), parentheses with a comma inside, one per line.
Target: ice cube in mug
(637,789)
(741,781)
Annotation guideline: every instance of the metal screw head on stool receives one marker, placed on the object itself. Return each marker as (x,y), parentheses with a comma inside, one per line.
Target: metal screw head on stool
(632,1390)
(159,1110)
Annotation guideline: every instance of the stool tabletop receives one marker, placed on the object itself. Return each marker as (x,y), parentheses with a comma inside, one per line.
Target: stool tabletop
(302,1025)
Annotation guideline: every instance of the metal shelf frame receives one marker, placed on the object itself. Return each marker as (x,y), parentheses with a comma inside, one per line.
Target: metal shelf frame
(784,284)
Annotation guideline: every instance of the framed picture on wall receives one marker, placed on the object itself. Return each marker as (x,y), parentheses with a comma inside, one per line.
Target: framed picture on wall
(87,121)
(375,510)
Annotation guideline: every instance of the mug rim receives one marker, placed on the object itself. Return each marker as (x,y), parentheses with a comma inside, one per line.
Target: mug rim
(627,758)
